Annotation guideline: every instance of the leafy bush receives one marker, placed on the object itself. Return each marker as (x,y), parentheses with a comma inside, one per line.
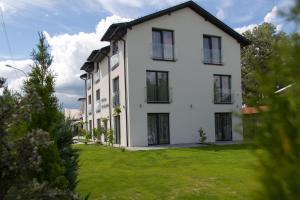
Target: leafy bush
(110,137)
(202,135)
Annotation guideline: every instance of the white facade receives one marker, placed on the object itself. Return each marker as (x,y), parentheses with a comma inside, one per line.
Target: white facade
(190,82)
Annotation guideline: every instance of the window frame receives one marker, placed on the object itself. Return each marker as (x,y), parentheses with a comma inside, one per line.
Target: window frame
(115,47)
(157,128)
(157,87)
(231,125)
(210,48)
(230,88)
(114,90)
(160,30)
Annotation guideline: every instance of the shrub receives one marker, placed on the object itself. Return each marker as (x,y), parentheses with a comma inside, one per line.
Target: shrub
(202,135)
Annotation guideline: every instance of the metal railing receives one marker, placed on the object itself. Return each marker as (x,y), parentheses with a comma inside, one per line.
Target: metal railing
(116,98)
(212,56)
(163,52)
(89,83)
(114,60)
(223,97)
(89,109)
(98,106)
(97,76)
(168,100)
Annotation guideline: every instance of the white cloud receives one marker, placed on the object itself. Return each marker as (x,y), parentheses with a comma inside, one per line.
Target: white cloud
(245,28)
(270,17)
(220,14)
(13,6)
(69,53)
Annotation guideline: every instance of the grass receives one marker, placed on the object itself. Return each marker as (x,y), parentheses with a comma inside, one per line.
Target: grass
(183,174)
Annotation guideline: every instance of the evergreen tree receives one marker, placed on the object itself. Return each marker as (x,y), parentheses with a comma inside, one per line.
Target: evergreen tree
(41,81)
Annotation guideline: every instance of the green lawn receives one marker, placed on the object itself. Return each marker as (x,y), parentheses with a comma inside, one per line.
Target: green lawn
(187,173)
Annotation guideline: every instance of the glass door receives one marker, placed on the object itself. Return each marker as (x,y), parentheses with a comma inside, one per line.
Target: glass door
(158,129)
(117,137)
(223,126)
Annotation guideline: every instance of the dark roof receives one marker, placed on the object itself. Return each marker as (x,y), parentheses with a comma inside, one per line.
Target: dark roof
(83,76)
(92,55)
(82,98)
(101,54)
(120,29)
(87,66)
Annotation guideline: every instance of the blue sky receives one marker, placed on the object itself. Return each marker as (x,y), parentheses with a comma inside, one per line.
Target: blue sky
(74,28)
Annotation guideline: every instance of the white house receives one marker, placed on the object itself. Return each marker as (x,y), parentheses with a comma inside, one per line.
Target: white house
(171,73)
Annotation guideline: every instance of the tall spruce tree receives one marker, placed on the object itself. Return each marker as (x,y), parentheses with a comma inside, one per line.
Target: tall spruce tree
(41,81)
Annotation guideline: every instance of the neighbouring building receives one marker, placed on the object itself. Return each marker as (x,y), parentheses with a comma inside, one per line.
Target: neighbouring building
(170,73)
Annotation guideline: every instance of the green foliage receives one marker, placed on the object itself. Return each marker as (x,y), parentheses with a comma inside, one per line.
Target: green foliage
(63,139)
(279,130)
(41,81)
(117,111)
(202,135)
(255,58)
(110,137)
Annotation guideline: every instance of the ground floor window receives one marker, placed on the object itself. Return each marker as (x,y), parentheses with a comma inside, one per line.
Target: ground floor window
(90,126)
(158,128)
(223,126)
(117,131)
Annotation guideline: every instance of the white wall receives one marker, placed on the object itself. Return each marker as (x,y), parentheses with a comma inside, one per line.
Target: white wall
(191,81)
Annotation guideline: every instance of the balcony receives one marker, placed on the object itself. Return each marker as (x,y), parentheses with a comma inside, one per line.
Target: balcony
(98,106)
(159,100)
(212,56)
(89,83)
(163,52)
(89,109)
(116,99)
(222,97)
(97,77)
(114,61)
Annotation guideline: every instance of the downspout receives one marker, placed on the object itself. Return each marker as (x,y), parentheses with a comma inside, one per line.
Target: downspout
(93,115)
(125,84)
(109,95)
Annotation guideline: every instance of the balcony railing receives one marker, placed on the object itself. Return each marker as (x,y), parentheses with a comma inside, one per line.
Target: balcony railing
(116,99)
(212,56)
(114,60)
(98,106)
(89,109)
(167,52)
(222,97)
(89,83)
(97,77)
(168,99)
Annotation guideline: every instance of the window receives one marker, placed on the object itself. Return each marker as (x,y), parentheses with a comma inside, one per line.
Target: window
(222,89)
(117,130)
(90,126)
(115,47)
(212,50)
(98,123)
(158,128)
(97,73)
(223,126)
(90,99)
(98,95)
(157,87)
(98,106)
(162,45)
(116,93)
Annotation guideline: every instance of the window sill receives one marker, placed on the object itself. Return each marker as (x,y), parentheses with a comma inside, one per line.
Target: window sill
(158,102)
(223,103)
(166,60)
(114,67)
(217,64)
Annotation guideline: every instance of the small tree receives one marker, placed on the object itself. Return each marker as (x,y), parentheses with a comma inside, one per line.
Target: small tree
(98,132)
(202,135)
(110,137)
(117,111)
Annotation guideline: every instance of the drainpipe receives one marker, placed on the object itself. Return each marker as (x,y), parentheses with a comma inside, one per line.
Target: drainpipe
(126,103)
(109,95)
(93,115)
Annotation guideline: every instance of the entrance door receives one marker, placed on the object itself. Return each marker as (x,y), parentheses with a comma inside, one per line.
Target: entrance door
(117,137)
(158,129)
(223,126)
